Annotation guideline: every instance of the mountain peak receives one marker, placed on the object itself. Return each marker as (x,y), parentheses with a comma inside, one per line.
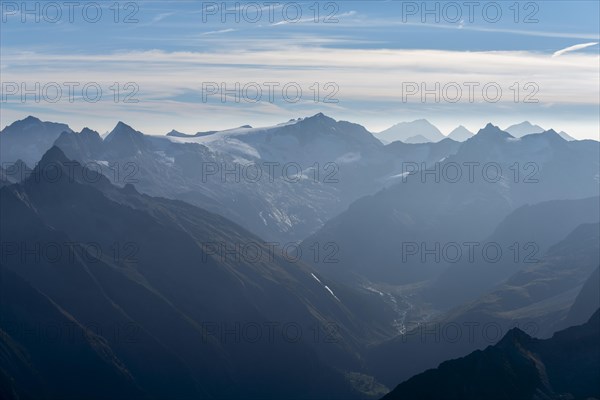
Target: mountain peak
(550,135)
(566,136)
(552,132)
(512,337)
(122,129)
(460,134)
(54,155)
(321,120)
(88,131)
(122,125)
(492,131)
(175,133)
(124,140)
(523,128)
(30,122)
(553,135)
(130,189)
(405,130)
(318,117)
(31,118)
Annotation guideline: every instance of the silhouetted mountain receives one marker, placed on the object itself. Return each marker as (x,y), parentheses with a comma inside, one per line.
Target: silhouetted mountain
(490,134)
(150,267)
(46,353)
(517,367)
(28,139)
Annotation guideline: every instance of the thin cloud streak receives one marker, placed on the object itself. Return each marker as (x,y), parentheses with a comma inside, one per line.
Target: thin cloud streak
(573,48)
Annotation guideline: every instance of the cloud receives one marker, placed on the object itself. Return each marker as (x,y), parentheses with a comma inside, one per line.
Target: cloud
(161,16)
(219,31)
(370,81)
(573,48)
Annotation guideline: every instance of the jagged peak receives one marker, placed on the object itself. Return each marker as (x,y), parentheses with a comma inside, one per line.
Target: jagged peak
(514,336)
(88,131)
(491,130)
(31,118)
(122,129)
(52,156)
(319,117)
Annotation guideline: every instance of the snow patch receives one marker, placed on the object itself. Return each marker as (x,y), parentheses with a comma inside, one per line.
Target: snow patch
(317,279)
(333,294)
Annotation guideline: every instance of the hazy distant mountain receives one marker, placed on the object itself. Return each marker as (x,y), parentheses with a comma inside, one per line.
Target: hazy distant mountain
(517,367)
(543,292)
(28,139)
(566,136)
(535,228)
(417,139)
(586,302)
(536,299)
(405,130)
(143,265)
(523,128)
(175,133)
(460,134)
(440,207)
(527,128)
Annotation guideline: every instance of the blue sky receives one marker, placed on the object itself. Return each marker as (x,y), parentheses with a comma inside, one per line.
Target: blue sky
(363,57)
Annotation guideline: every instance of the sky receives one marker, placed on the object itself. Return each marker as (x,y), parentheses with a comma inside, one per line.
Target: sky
(197,66)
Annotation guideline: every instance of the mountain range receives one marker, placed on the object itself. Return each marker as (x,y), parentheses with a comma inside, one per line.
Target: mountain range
(156,305)
(281,182)
(302,260)
(527,128)
(463,198)
(540,298)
